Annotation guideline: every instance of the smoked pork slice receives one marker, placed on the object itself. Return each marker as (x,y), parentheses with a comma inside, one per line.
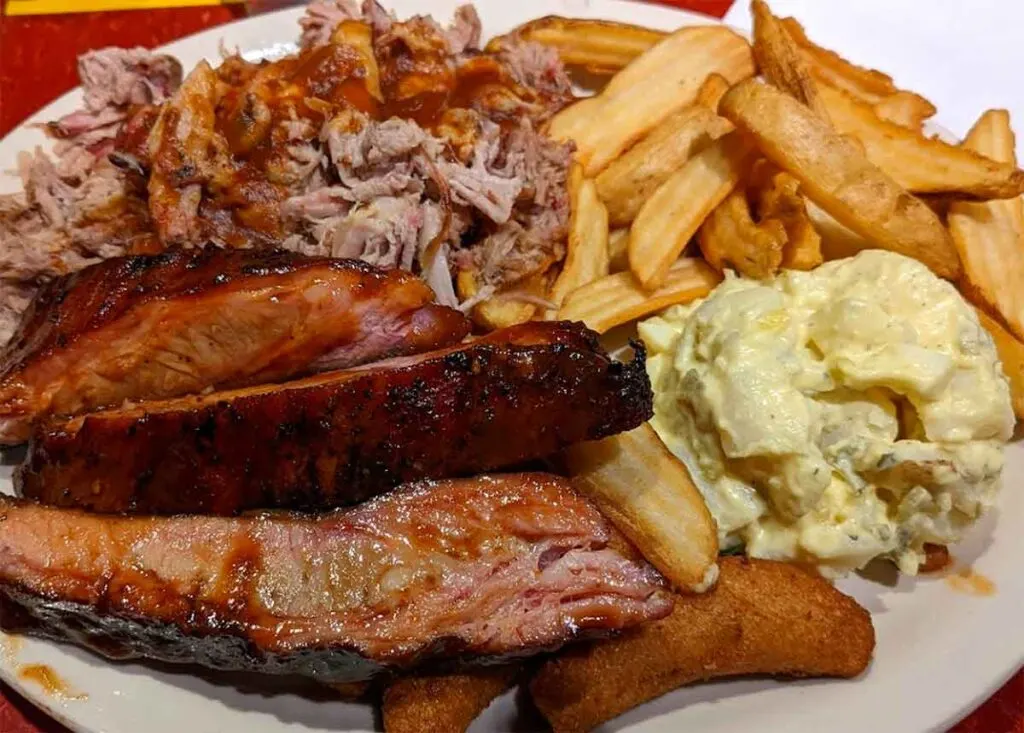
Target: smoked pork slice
(152,327)
(516,395)
(461,570)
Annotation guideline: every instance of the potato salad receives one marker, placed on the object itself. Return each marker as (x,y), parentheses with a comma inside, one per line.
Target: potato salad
(830,417)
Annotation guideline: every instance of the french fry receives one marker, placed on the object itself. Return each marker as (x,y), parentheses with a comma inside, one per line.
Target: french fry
(659,82)
(917,163)
(630,180)
(648,495)
(619,298)
(729,237)
(600,46)
(442,703)
(838,177)
(587,256)
(781,61)
(1011,354)
(677,208)
(763,618)
(990,235)
(504,309)
(776,196)
(711,91)
(905,109)
(837,241)
(868,85)
(618,249)
(568,122)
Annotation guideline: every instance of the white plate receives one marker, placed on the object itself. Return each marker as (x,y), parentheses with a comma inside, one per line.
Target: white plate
(939,654)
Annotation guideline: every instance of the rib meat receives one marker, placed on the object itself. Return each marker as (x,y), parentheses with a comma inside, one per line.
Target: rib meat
(151,327)
(484,567)
(331,439)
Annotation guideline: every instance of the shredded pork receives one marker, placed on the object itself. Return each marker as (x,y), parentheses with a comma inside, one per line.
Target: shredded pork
(282,154)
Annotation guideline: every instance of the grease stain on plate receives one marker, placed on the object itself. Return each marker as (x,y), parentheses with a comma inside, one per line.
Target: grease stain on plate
(971,583)
(50,682)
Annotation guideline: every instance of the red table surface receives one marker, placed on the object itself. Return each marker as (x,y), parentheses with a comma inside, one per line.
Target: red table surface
(37,64)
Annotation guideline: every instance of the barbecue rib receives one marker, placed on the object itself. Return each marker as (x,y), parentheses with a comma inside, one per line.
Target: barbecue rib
(483,567)
(151,327)
(332,439)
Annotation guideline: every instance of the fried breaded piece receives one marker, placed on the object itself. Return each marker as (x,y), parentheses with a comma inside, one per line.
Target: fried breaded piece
(442,703)
(763,617)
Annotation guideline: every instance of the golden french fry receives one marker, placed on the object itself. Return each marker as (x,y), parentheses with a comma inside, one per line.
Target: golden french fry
(1011,354)
(618,249)
(868,85)
(905,109)
(659,82)
(600,46)
(990,235)
(630,180)
(781,61)
(677,208)
(619,298)
(648,494)
(838,177)
(508,308)
(776,196)
(568,122)
(730,237)
(711,91)
(762,618)
(587,257)
(917,163)
(442,703)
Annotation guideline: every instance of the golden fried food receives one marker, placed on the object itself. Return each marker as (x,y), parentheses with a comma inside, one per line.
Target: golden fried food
(506,308)
(917,163)
(658,83)
(730,237)
(837,176)
(630,180)
(990,235)
(619,298)
(763,617)
(442,703)
(780,60)
(906,109)
(599,46)
(677,208)
(711,91)
(568,122)
(618,249)
(1011,354)
(776,196)
(649,496)
(587,257)
(868,85)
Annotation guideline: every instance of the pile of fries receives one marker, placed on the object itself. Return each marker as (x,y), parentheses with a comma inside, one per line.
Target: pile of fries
(703,152)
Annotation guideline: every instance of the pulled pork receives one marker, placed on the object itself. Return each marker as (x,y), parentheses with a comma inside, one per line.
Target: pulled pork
(396,142)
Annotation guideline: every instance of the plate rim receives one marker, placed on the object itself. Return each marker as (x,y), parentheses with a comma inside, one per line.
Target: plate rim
(62,713)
